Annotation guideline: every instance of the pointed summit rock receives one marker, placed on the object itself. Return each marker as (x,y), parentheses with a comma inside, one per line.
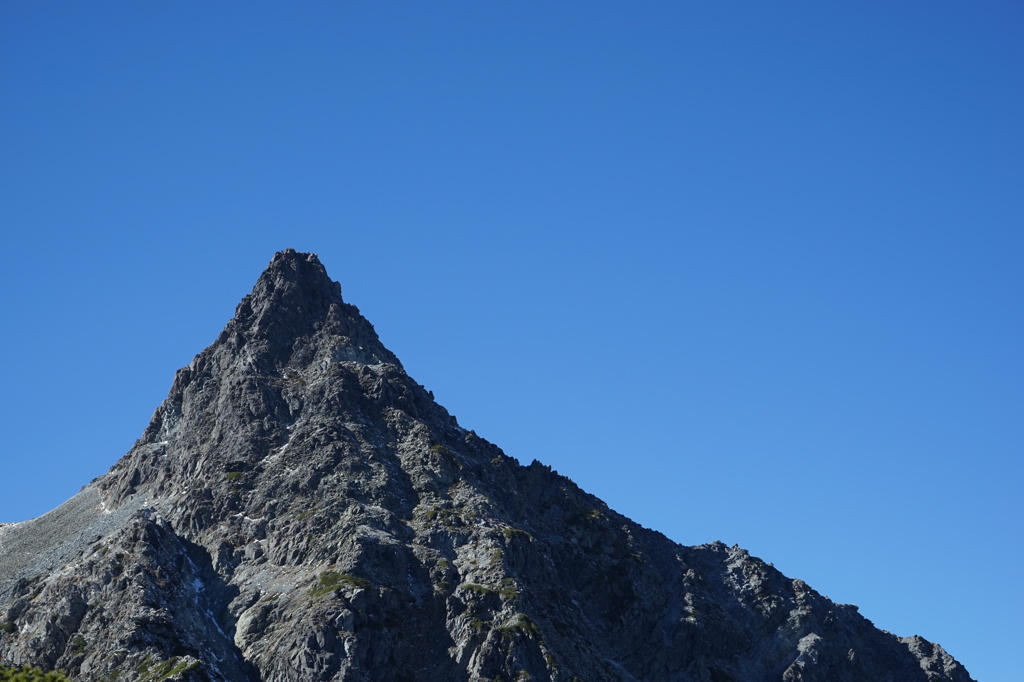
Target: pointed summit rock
(294,298)
(299,509)
(292,339)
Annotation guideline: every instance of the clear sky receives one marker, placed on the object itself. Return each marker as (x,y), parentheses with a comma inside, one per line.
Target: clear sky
(748,271)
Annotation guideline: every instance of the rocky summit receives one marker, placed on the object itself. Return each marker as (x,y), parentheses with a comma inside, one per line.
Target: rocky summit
(299,508)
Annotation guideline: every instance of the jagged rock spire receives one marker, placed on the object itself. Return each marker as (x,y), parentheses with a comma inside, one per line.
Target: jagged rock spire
(301,510)
(295,298)
(241,393)
(291,295)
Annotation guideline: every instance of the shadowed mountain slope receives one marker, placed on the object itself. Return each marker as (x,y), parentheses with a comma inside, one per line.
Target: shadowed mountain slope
(300,509)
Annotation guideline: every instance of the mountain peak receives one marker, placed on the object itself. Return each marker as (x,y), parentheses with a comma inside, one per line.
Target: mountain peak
(294,304)
(293,291)
(290,346)
(301,510)
(300,273)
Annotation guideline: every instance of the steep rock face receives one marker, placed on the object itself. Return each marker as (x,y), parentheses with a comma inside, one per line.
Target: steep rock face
(300,509)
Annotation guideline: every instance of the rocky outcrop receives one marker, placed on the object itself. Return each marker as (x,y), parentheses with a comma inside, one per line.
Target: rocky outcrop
(300,509)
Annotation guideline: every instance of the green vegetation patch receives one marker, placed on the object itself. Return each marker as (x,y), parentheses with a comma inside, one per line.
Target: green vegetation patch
(508,589)
(8,626)
(157,671)
(31,674)
(522,625)
(477,589)
(447,517)
(331,581)
(441,451)
(510,533)
(80,644)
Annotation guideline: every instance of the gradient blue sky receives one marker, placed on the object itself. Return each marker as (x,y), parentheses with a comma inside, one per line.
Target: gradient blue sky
(748,271)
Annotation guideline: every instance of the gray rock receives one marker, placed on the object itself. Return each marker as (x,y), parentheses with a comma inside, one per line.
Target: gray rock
(300,509)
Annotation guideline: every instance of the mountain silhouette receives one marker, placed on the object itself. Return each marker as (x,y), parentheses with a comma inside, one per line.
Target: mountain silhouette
(300,509)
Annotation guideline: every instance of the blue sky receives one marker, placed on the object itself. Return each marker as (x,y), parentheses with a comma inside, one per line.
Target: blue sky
(747,271)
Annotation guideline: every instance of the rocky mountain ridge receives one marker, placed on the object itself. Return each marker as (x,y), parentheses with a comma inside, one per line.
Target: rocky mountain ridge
(300,509)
